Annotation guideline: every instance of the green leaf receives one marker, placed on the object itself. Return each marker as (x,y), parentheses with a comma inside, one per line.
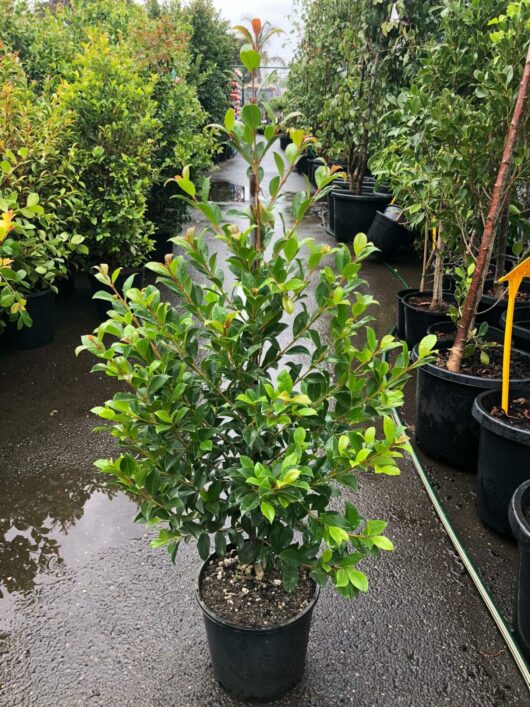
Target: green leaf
(251,115)
(268,511)
(230,119)
(249,58)
(186,185)
(382,542)
(291,153)
(203,546)
(359,243)
(290,577)
(389,427)
(426,345)
(220,544)
(358,579)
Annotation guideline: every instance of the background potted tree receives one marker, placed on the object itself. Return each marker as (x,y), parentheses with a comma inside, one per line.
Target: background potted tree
(228,437)
(454,133)
(363,53)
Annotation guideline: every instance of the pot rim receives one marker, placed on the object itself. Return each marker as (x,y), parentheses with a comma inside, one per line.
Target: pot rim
(347,195)
(522,332)
(405,291)
(39,293)
(519,524)
(493,424)
(250,629)
(487,384)
(447,296)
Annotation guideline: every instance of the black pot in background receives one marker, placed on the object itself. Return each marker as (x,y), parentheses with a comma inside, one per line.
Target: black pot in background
(162,246)
(417,320)
(313,165)
(284,141)
(338,185)
(354,213)
(66,285)
(445,427)
(103,306)
(503,462)
(490,309)
(389,236)
(257,663)
(400,313)
(518,514)
(510,263)
(302,166)
(41,308)
(521,326)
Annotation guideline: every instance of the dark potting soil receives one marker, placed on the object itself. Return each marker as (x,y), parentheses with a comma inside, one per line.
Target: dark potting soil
(526,514)
(473,366)
(235,593)
(521,296)
(421,302)
(518,415)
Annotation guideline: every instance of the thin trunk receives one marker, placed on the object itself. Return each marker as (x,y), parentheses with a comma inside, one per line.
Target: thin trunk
(488,237)
(437,287)
(425,256)
(500,263)
(363,149)
(351,167)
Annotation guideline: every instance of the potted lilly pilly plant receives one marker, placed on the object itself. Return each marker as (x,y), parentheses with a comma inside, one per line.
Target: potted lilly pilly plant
(243,428)
(32,258)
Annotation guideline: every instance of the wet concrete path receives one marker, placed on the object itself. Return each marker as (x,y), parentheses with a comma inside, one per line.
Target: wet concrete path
(90,615)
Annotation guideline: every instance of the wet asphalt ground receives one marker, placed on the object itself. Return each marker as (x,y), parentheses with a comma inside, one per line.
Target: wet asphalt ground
(90,615)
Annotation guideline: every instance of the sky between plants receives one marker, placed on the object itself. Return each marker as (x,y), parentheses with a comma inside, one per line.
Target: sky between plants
(275,11)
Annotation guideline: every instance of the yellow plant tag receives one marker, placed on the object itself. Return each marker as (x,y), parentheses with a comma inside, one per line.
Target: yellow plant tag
(514,279)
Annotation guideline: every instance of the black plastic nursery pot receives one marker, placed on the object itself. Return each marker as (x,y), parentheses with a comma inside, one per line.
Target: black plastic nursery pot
(313,165)
(66,285)
(257,663)
(41,308)
(354,213)
(445,426)
(284,141)
(503,462)
(418,320)
(400,312)
(519,514)
(103,306)
(521,326)
(388,236)
(302,166)
(337,186)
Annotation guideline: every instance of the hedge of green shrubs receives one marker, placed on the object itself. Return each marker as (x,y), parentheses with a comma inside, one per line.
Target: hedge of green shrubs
(101,101)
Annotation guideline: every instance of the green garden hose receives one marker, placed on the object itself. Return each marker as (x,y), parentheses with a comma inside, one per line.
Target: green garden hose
(460,549)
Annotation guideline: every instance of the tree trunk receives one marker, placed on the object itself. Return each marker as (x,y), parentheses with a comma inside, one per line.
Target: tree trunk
(437,287)
(488,237)
(425,256)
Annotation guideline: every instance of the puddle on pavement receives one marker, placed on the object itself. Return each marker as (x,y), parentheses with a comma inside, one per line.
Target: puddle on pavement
(55,521)
(222,191)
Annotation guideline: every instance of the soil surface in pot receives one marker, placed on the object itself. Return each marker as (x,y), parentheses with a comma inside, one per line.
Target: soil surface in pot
(518,415)
(473,366)
(521,296)
(421,302)
(234,592)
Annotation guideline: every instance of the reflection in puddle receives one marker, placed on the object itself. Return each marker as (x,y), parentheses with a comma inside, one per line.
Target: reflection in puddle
(54,520)
(223,191)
